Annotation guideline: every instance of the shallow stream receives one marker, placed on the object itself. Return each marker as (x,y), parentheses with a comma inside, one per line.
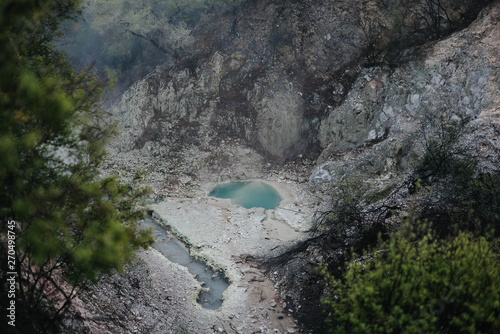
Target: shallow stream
(214,283)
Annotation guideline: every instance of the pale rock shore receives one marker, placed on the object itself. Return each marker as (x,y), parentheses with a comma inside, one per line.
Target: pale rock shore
(155,295)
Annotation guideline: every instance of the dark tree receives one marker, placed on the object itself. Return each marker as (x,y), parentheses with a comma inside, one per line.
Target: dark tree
(61,223)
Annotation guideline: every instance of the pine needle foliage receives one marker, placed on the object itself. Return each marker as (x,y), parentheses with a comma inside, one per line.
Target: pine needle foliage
(71,225)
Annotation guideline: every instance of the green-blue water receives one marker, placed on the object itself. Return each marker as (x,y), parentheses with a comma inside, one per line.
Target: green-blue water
(177,252)
(248,194)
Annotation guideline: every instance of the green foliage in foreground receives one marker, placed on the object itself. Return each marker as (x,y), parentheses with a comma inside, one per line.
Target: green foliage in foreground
(416,284)
(69,221)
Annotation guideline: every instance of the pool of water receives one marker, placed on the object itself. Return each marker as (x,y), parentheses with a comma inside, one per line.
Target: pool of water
(248,194)
(213,282)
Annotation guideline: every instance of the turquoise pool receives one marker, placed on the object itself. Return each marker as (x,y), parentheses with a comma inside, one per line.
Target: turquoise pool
(248,194)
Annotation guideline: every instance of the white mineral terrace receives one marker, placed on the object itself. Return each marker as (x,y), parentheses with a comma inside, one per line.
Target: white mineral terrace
(222,234)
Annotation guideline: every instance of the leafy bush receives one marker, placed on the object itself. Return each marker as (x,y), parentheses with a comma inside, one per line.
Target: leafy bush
(417,285)
(358,213)
(461,197)
(348,203)
(443,152)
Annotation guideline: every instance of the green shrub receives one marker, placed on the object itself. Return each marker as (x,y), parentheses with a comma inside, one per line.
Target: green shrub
(348,202)
(417,285)
(462,196)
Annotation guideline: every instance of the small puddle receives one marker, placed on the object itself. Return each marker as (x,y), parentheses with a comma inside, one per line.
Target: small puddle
(248,194)
(214,283)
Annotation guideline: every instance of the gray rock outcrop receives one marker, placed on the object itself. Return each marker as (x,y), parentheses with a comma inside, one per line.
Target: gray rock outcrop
(302,93)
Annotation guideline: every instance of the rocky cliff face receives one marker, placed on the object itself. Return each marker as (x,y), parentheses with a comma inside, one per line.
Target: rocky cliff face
(267,75)
(450,80)
(281,79)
